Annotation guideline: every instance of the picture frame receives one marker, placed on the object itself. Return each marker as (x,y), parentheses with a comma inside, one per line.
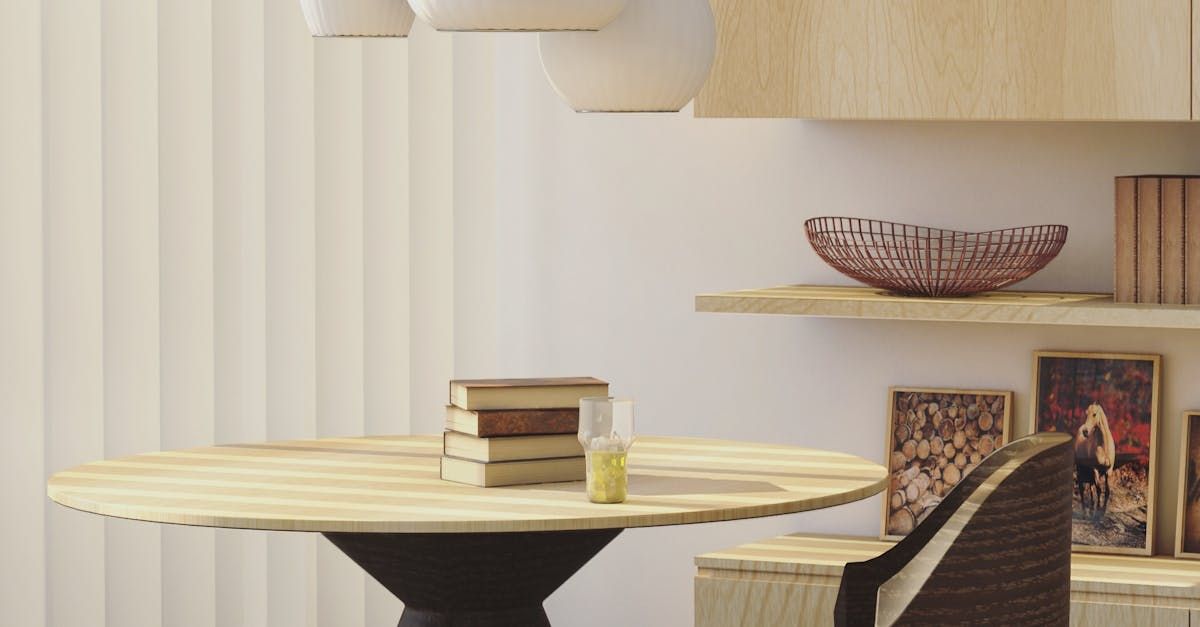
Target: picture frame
(1189,488)
(915,447)
(1110,403)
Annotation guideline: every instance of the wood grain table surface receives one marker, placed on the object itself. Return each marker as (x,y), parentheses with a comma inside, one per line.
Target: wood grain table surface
(390,484)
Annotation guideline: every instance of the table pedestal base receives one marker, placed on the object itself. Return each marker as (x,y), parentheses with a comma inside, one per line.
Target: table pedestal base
(473,579)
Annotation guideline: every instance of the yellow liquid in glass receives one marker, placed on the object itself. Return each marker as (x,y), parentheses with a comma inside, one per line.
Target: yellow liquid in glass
(607,478)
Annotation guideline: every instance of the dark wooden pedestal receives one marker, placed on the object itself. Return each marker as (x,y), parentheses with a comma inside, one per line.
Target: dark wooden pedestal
(473,579)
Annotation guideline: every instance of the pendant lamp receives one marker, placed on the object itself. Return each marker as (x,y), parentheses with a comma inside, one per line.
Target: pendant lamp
(517,15)
(358,18)
(654,57)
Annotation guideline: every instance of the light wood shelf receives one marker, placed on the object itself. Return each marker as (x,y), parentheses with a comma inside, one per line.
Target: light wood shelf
(1054,308)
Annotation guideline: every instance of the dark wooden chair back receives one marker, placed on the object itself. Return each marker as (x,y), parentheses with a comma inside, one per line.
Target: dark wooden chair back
(996,551)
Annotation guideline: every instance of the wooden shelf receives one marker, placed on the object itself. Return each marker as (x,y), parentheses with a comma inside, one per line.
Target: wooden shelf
(1058,308)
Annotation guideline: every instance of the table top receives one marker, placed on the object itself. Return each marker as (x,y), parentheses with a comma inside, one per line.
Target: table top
(391,484)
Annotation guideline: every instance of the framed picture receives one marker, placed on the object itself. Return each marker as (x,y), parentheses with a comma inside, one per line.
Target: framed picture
(935,436)
(1109,403)
(1187,525)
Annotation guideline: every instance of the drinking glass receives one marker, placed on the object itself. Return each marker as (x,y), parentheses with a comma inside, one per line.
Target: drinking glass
(606,433)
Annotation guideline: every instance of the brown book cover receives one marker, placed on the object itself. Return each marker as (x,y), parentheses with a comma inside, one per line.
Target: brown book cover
(1149,229)
(506,422)
(1172,242)
(1191,223)
(1125,257)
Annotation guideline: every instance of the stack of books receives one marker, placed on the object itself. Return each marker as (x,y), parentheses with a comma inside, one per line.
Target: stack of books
(515,431)
(1158,240)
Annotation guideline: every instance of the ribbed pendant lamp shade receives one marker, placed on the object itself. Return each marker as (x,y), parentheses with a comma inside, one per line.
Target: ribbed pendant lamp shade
(358,18)
(517,15)
(655,56)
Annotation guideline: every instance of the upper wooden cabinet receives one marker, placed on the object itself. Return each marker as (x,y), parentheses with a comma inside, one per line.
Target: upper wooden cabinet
(953,59)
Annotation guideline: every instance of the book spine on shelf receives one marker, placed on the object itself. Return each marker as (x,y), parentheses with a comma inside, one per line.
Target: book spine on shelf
(1125,257)
(1174,239)
(1191,223)
(1149,233)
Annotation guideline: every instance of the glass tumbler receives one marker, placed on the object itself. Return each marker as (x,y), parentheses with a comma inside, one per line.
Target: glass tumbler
(606,433)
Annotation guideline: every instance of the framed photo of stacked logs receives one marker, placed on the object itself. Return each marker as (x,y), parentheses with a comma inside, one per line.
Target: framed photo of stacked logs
(1187,525)
(935,437)
(1109,402)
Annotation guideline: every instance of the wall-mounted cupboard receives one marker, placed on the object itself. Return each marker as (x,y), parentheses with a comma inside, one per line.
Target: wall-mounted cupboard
(1196,59)
(962,60)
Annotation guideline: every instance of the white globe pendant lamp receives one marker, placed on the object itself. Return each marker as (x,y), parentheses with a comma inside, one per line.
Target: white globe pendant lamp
(654,57)
(517,15)
(358,18)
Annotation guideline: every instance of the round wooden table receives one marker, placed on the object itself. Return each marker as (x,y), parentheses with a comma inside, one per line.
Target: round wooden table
(457,554)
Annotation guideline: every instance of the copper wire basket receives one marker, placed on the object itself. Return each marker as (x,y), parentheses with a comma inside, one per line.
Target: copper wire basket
(922,261)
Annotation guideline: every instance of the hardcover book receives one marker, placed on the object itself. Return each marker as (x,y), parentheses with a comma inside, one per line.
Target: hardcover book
(1149,229)
(1125,259)
(512,473)
(489,423)
(509,449)
(1191,225)
(1172,243)
(1157,239)
(524,393)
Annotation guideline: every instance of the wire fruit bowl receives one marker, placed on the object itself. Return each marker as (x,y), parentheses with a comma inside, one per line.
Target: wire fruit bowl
(922,261)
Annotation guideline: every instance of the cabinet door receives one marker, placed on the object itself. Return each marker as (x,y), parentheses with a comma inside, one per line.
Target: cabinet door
(1196,59)
(952,60)
(1120,615)
(735,599)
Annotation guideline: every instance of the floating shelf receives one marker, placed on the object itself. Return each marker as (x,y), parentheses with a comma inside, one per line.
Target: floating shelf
(1060,308)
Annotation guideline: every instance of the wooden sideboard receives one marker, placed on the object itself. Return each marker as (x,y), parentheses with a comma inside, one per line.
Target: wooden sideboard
(963,60)
(794,579)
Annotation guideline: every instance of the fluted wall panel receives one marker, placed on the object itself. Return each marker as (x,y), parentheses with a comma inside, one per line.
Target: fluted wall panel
(204,237)
(239,268)
(129,142)
(73,284)
(22,272)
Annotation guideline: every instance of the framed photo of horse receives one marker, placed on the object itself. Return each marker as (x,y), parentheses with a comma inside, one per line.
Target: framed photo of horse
(1109,402)
(1187,524)
(935,437)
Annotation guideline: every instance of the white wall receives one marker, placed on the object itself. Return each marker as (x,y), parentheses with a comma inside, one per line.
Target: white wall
(602,228)
(206,235)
